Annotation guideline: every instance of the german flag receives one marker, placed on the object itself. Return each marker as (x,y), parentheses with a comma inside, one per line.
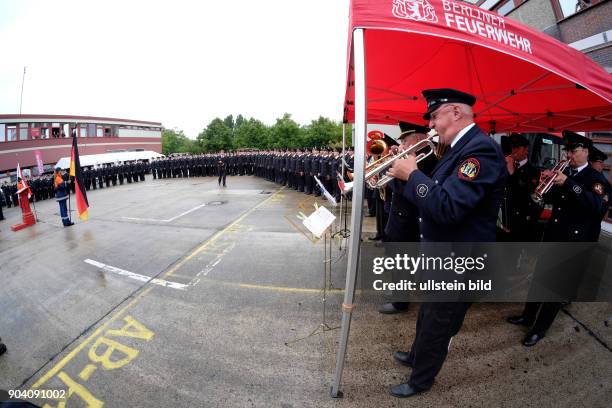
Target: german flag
(79,185)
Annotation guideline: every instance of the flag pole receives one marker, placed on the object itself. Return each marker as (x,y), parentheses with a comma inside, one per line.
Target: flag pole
(34,206)
(69,210)
(22,81)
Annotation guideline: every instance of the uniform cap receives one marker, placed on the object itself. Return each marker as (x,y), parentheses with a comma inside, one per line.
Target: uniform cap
(438,97)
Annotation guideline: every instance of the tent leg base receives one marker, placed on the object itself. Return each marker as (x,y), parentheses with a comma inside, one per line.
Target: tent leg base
(337,394)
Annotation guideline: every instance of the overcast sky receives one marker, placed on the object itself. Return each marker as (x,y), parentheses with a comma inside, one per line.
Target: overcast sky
(181,63)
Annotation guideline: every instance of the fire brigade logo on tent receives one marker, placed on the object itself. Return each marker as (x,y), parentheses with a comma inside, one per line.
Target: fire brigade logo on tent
(417,10)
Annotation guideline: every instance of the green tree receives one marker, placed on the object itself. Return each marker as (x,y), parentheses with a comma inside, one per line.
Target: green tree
(285,133)
(250,133)
(216,136)
(239,121)
(229,121)
(174,141)
(323,132)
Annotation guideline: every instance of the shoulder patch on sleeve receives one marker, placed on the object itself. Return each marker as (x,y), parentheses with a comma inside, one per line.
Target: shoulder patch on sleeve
(598,188)
(469,169)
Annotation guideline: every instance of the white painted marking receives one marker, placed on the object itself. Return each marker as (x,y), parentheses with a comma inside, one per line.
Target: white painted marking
(132,275)
(169,219)
(211,265)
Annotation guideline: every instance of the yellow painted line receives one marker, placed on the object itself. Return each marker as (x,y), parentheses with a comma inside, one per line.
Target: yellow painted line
(85,342)
(284,289)
(270,287)
(55,369)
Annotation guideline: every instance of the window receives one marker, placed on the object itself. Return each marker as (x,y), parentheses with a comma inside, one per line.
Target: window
(107,132)
(506,8)
(23,131)
(569,7)
(11,133)
(83,130)
(99,131)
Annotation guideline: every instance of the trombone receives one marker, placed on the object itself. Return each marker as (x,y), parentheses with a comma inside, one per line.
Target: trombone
(373,171)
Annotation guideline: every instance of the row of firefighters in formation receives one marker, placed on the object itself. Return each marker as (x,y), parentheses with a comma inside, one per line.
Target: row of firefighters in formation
(42,187)
(295,169)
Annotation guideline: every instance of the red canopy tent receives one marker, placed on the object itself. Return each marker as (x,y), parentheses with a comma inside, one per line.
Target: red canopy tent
(524,81)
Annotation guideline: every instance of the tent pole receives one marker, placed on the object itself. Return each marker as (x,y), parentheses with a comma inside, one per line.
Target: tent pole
(343,200)
(357,205)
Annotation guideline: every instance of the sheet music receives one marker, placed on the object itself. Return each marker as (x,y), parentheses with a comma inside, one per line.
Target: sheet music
(319,221)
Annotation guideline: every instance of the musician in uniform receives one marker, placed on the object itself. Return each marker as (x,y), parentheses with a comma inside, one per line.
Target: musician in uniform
(380,196)
(579,197)
(403,222)
(597,159)
(458,203)
(520,213)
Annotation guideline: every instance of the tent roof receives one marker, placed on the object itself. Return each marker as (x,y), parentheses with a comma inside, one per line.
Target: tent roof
(93,159)
(524,80)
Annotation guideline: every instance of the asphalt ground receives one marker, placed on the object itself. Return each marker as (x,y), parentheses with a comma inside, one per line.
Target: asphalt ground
(226,322)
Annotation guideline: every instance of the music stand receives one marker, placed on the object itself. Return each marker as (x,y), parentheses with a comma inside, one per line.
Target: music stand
(327,270)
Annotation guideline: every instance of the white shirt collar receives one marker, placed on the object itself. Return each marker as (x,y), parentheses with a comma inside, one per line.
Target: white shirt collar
(522,163)
(579,169)
(461,133)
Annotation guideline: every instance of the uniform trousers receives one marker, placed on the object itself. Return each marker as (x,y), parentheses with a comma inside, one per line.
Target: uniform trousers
(437,323)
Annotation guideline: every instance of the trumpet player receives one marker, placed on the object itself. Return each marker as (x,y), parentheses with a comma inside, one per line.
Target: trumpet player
(520,213)
(579,197)
(458,203)
(403,222)
(382,198)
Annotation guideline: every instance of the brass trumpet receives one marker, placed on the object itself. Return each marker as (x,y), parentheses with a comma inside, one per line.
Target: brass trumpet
(373,171)
(547,182)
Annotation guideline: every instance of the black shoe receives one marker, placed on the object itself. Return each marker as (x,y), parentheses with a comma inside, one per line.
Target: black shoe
(375,238)
(402,357)
(69,224)
(404,390)
(2,349)
(519,320)
(392,308)
(531,340)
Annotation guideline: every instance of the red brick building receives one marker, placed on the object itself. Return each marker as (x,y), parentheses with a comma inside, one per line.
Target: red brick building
(24,138)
